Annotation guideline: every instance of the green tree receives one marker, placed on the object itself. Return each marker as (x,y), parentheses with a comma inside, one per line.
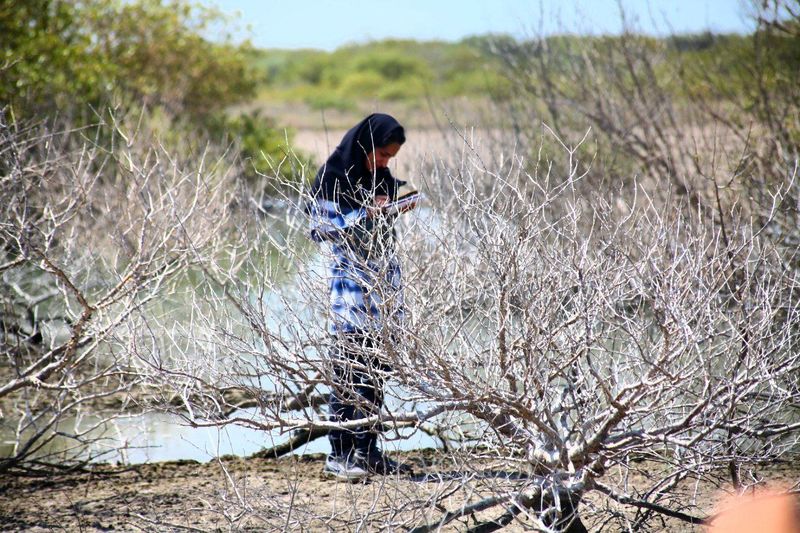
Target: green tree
(62,55)
(264,148)
(48,58)
(163,57)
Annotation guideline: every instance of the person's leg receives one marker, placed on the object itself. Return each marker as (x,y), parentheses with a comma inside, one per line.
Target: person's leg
(342,462)
(345,397)
(357,392)
(339,409)
(370,389)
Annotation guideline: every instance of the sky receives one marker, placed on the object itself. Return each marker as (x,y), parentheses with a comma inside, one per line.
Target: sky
(329,24)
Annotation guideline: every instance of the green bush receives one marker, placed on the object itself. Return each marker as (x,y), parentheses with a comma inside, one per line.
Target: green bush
(264,147)
(138,57)
(406,70)
(361,84)
(47,58)
(405,89)
(69,57)
(309,69)
(392,66)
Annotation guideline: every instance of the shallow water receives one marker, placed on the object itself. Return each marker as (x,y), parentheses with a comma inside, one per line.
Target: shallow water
(162,437)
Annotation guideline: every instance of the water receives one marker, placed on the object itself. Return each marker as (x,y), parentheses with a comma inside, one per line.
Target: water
(162,437)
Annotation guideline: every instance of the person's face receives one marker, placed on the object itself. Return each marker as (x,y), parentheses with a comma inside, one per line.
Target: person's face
(380,157)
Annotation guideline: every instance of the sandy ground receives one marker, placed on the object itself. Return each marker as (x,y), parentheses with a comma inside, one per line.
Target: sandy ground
(286,494)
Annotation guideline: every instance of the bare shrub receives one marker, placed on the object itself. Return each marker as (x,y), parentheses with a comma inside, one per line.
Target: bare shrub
(583,356)
(716,125)
(97,224)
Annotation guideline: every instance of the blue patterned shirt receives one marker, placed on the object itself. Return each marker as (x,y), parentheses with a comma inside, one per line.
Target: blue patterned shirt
(363,270)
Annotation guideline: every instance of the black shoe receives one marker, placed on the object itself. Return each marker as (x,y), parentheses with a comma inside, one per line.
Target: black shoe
(378,463)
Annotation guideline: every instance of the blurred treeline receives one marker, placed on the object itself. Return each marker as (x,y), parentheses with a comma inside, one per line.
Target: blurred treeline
(478,67)
(389,70)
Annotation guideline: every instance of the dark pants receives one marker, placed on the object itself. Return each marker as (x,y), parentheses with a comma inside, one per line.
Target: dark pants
(357,392)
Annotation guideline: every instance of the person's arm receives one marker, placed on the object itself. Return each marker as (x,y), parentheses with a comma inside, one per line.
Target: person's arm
(329,221)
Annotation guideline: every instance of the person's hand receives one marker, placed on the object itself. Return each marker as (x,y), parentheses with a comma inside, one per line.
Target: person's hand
(381,200)
(377,207)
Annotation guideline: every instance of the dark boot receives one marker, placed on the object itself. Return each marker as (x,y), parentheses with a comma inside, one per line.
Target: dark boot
(379,463)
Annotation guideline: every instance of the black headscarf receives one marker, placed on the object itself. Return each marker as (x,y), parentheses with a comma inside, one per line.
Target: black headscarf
(345,179)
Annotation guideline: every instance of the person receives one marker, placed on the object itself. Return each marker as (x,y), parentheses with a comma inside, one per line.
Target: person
(349,201)
(762,510)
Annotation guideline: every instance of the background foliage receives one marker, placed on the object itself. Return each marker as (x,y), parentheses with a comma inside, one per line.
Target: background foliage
(62,55)
(410,71)
(75,60)
(389,70)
